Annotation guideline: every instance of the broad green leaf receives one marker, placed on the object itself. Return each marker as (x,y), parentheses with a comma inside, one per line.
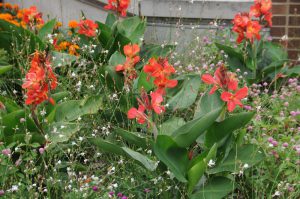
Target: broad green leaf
(110,19)
(47,29)
(173,156)
(247,154)
(216,188)
(5,68)
(274,52)
(12,121)
(207,103)
(187,95)
(143,82)
(133,138)
(105,35)
(188,133)
(10,105)
(220,130)
(73,109)
(117,44)
(168,127)
(61,131)
(142,159)
(133,28)
(57,98)
(62,59)
(231,52)
(294,71)
(116,58)
(107,146)
(197,170)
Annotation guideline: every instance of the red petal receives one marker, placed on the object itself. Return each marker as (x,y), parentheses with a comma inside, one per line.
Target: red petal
(208,79)
(119,67)
(132,113)
(171,83)
(213,90)
(231,106)
(242,93)
(226,96)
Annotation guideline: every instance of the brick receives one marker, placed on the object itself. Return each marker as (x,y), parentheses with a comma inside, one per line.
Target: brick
(295,9)
(280,9)
(277,32)
(294,1)
(279,20)
(294,32)
(294,54)
(294,21)
(294,44)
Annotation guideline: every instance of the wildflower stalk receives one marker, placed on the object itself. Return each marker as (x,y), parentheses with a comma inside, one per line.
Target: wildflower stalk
(36,120)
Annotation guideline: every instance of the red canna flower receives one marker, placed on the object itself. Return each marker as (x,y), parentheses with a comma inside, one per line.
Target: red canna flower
(255,10)
(137,114)
(221,79)
(32,16)
(39,80)
(241,19)
(132,59)
(266,5)
(253,29)
(268,18)
(156,100)
(87,27)
(161,70)
(118,5)
(234,99)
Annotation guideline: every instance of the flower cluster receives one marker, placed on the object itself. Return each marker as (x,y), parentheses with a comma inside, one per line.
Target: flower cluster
(248,28)
(226,81)
(120,6)
(87,27)
(65,45)
(32,17)
(11,14)
(40,79)
(132,58)
(161,71)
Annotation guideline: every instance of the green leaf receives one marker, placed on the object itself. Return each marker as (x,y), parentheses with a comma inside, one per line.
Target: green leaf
(47,29)
(10,105)
(216,188)
(133,138)
(110,19)
(220,130)
(187,95)
(168,127)
(105,35)
(188,133)
(73,109)
(142,82)
(61,131)
(173,156)
(197,170)
(107,146)
(247,154)
(231,52)
(207,103)
(146,162)
(116,58)
(5,68)
(294,71)
(133,28)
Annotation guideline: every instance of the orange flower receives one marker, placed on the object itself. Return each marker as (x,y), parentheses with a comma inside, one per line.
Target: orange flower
(73,24)
(73,49)
(6,16)
(87,27)
(8,5)
(253,29)
(58,24)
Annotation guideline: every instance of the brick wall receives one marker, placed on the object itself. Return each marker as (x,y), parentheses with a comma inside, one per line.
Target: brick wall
(286,25)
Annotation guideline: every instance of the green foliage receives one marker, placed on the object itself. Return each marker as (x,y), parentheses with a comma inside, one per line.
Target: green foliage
(47,29)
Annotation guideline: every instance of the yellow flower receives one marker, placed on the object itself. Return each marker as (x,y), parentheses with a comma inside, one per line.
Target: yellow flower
(6,17)
(8,5)
(63,45)
(73,24)
(58,24)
